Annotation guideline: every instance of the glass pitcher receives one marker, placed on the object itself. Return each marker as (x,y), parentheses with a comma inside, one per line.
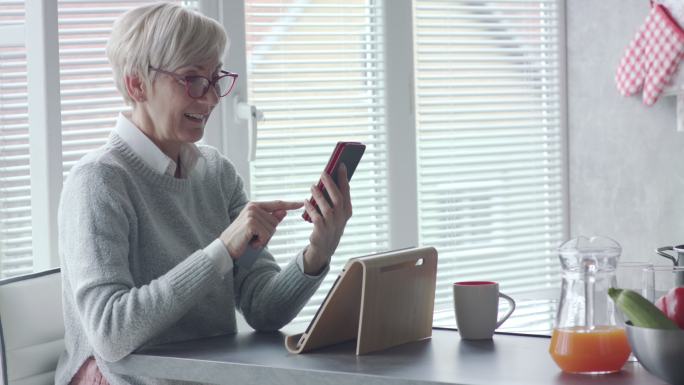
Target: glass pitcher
(586,337)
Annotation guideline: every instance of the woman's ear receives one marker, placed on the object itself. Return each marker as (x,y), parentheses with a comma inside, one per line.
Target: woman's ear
(135,87)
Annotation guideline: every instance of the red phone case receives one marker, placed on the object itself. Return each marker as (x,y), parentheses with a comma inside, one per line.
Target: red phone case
(332,165)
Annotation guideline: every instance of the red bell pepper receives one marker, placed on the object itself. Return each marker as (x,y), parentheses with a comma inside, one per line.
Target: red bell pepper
(672,304)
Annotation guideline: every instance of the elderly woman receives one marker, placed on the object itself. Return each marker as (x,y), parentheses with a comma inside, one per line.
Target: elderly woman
(152,226)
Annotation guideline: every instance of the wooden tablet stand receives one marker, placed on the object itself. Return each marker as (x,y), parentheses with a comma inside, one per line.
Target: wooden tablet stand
(381,300)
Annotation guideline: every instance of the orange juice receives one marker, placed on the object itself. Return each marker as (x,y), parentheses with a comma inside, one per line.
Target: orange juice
(601,349)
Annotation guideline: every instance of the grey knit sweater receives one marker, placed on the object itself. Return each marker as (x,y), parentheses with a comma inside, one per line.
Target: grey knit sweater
(133,266)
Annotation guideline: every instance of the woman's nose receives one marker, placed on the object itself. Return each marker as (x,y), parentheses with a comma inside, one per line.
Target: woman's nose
(211,97)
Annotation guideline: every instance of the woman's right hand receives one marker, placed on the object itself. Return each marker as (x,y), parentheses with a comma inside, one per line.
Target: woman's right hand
(255,225)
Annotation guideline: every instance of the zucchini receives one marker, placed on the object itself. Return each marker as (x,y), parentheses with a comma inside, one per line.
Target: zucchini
(639,310)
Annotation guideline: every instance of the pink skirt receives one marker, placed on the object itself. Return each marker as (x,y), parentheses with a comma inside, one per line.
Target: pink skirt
(89,374)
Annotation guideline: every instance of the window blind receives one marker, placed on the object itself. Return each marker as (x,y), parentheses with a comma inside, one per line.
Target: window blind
(490,158)
(15,185)
(315,68)
(90,100)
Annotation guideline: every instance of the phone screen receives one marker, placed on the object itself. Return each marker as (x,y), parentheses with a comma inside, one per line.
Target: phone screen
(347,153)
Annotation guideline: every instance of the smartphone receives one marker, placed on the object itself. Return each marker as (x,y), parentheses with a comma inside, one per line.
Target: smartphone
(350,154)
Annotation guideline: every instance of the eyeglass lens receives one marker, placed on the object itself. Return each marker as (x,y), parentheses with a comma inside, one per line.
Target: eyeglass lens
(198,86)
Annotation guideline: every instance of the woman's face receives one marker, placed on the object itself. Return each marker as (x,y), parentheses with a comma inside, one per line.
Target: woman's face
(176,117)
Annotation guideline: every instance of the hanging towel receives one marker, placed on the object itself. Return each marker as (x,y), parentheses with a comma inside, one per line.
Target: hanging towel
(652,57)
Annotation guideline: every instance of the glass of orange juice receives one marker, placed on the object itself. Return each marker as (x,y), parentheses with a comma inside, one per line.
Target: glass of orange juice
(586,337)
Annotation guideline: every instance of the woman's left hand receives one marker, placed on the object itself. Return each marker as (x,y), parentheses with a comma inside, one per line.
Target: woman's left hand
(329,222)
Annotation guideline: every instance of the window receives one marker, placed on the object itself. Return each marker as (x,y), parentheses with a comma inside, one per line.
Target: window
(315,69)
(490,151)
(89,106)
(459,102)
(487,130)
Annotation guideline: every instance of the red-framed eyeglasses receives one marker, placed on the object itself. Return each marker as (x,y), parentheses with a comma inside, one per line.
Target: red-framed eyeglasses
(197,86)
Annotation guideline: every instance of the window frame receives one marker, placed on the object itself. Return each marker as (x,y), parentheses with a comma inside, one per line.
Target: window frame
(45,129)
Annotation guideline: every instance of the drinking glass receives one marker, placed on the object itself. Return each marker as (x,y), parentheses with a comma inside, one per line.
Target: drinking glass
(660,279)
(633,275)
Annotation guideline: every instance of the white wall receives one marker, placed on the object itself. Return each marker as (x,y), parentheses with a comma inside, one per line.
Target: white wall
(626,159)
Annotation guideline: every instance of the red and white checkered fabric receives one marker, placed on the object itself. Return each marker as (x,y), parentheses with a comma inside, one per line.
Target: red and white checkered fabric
(652,57)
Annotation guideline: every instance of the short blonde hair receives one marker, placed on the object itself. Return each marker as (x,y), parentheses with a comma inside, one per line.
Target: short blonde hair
(161,35)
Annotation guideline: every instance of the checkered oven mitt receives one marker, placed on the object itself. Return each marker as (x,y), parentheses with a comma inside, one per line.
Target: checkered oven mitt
(652,57)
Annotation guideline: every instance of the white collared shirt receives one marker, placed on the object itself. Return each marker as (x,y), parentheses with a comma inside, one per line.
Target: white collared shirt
(190,155)
(151,154)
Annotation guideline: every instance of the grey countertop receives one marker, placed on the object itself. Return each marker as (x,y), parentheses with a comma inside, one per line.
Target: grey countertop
(261,359)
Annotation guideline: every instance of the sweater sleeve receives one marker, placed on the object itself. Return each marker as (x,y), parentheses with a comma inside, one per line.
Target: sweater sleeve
(118,317)
(267,296)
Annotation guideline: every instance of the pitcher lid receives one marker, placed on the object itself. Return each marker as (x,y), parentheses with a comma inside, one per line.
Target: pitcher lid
(603,252)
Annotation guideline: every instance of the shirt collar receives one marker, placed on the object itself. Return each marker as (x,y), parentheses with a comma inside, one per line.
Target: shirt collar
(143,147)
